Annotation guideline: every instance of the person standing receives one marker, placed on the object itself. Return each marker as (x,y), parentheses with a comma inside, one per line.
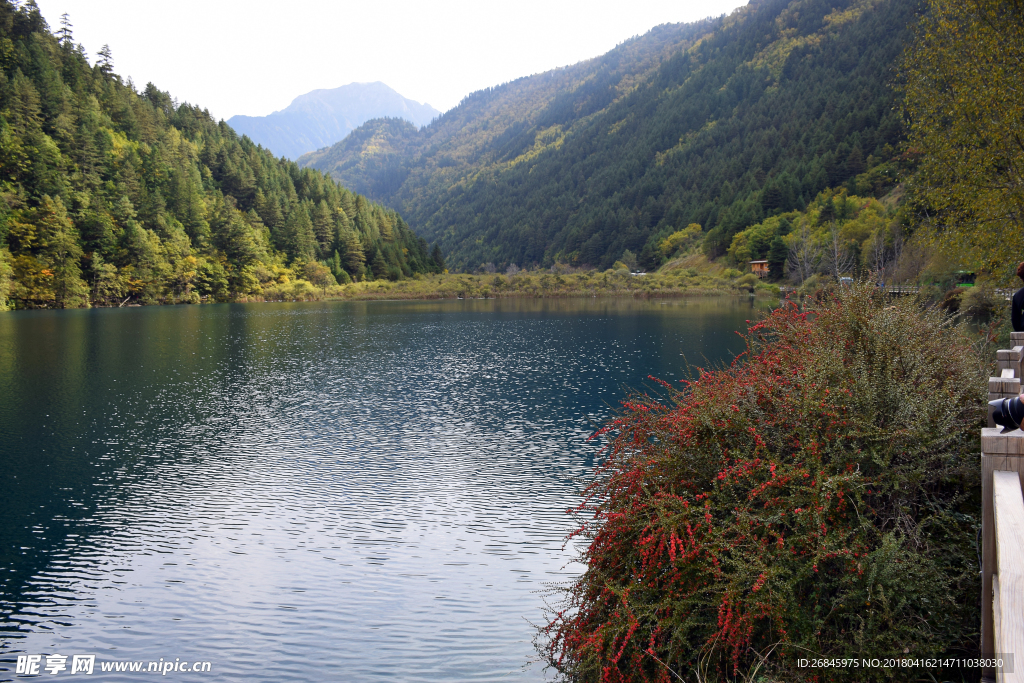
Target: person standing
(1017,305)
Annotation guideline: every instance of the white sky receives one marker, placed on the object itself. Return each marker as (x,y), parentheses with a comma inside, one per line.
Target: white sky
(253,56)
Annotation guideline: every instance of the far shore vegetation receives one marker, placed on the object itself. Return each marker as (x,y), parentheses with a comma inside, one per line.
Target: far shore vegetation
(692,276)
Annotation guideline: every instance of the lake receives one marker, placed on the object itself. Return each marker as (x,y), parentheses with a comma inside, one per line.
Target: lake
(313,491)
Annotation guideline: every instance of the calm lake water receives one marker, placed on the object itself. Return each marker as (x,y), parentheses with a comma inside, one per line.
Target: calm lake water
(301,492)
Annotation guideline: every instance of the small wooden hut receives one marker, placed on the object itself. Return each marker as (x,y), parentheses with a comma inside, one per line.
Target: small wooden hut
(759,268)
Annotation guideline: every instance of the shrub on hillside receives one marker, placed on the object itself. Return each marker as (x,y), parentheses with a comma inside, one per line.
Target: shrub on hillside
(296,290)
(748,282)
(820,498)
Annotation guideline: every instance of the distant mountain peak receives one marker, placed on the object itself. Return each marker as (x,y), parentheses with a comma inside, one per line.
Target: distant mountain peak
(322,117)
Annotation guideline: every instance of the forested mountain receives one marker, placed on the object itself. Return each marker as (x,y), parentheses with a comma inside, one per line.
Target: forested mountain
(109,194)
(720,123)
(320,118)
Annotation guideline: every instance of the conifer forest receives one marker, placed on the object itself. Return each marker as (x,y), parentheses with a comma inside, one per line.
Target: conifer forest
(112,194)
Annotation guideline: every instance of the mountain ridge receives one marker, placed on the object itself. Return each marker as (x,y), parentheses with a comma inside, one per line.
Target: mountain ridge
(321,117)
(720,122)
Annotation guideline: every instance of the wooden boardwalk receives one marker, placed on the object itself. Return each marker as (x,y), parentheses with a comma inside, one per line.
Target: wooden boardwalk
(897,290)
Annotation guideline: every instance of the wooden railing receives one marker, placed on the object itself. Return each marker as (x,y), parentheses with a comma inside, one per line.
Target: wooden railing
(1008,580)
(1002,526)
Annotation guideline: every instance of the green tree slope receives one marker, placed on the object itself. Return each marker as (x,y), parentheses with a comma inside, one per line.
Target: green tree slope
(109,194)
(720,123)
(963,79)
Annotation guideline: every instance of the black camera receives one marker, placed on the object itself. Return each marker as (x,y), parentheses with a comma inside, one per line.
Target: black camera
(1007,413)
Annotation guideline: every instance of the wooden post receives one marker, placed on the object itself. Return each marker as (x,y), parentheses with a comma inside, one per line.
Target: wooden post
(1004,453)
(1009,359)
(1017,340)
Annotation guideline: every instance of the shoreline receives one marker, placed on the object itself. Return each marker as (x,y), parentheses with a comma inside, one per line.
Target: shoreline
(679,294)
(619,284)
(437,296)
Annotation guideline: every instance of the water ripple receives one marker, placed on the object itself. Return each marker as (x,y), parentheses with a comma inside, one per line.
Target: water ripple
(356,492)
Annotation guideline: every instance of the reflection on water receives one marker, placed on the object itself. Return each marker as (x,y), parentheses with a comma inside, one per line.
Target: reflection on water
(296,492)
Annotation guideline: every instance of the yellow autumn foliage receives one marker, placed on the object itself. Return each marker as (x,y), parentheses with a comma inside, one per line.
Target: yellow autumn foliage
(964,99)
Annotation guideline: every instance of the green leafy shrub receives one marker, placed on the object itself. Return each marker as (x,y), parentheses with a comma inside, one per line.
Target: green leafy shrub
(297,290)
(820,498)
(747,282)
(812,284)
(981,300)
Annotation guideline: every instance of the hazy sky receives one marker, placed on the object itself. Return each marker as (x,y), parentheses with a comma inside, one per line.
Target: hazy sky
(253,56)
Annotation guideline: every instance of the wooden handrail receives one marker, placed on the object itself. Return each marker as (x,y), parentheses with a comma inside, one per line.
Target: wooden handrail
(1008,582)
(1002,524)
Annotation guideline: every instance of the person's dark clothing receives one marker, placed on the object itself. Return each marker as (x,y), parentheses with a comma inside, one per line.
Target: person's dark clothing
(1017,311)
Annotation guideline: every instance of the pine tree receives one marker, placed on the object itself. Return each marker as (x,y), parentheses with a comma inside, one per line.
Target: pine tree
(64,35)
(270,212)
(379,265)
(268,209)
(105,283)
(354,256)
(323,228)
(348,205)
(299,239)
(234,237)
(105,63)
(63,253)
(335,265)
(437,258)
(777,255)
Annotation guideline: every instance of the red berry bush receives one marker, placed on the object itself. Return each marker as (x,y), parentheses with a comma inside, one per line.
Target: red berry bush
(817,499)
